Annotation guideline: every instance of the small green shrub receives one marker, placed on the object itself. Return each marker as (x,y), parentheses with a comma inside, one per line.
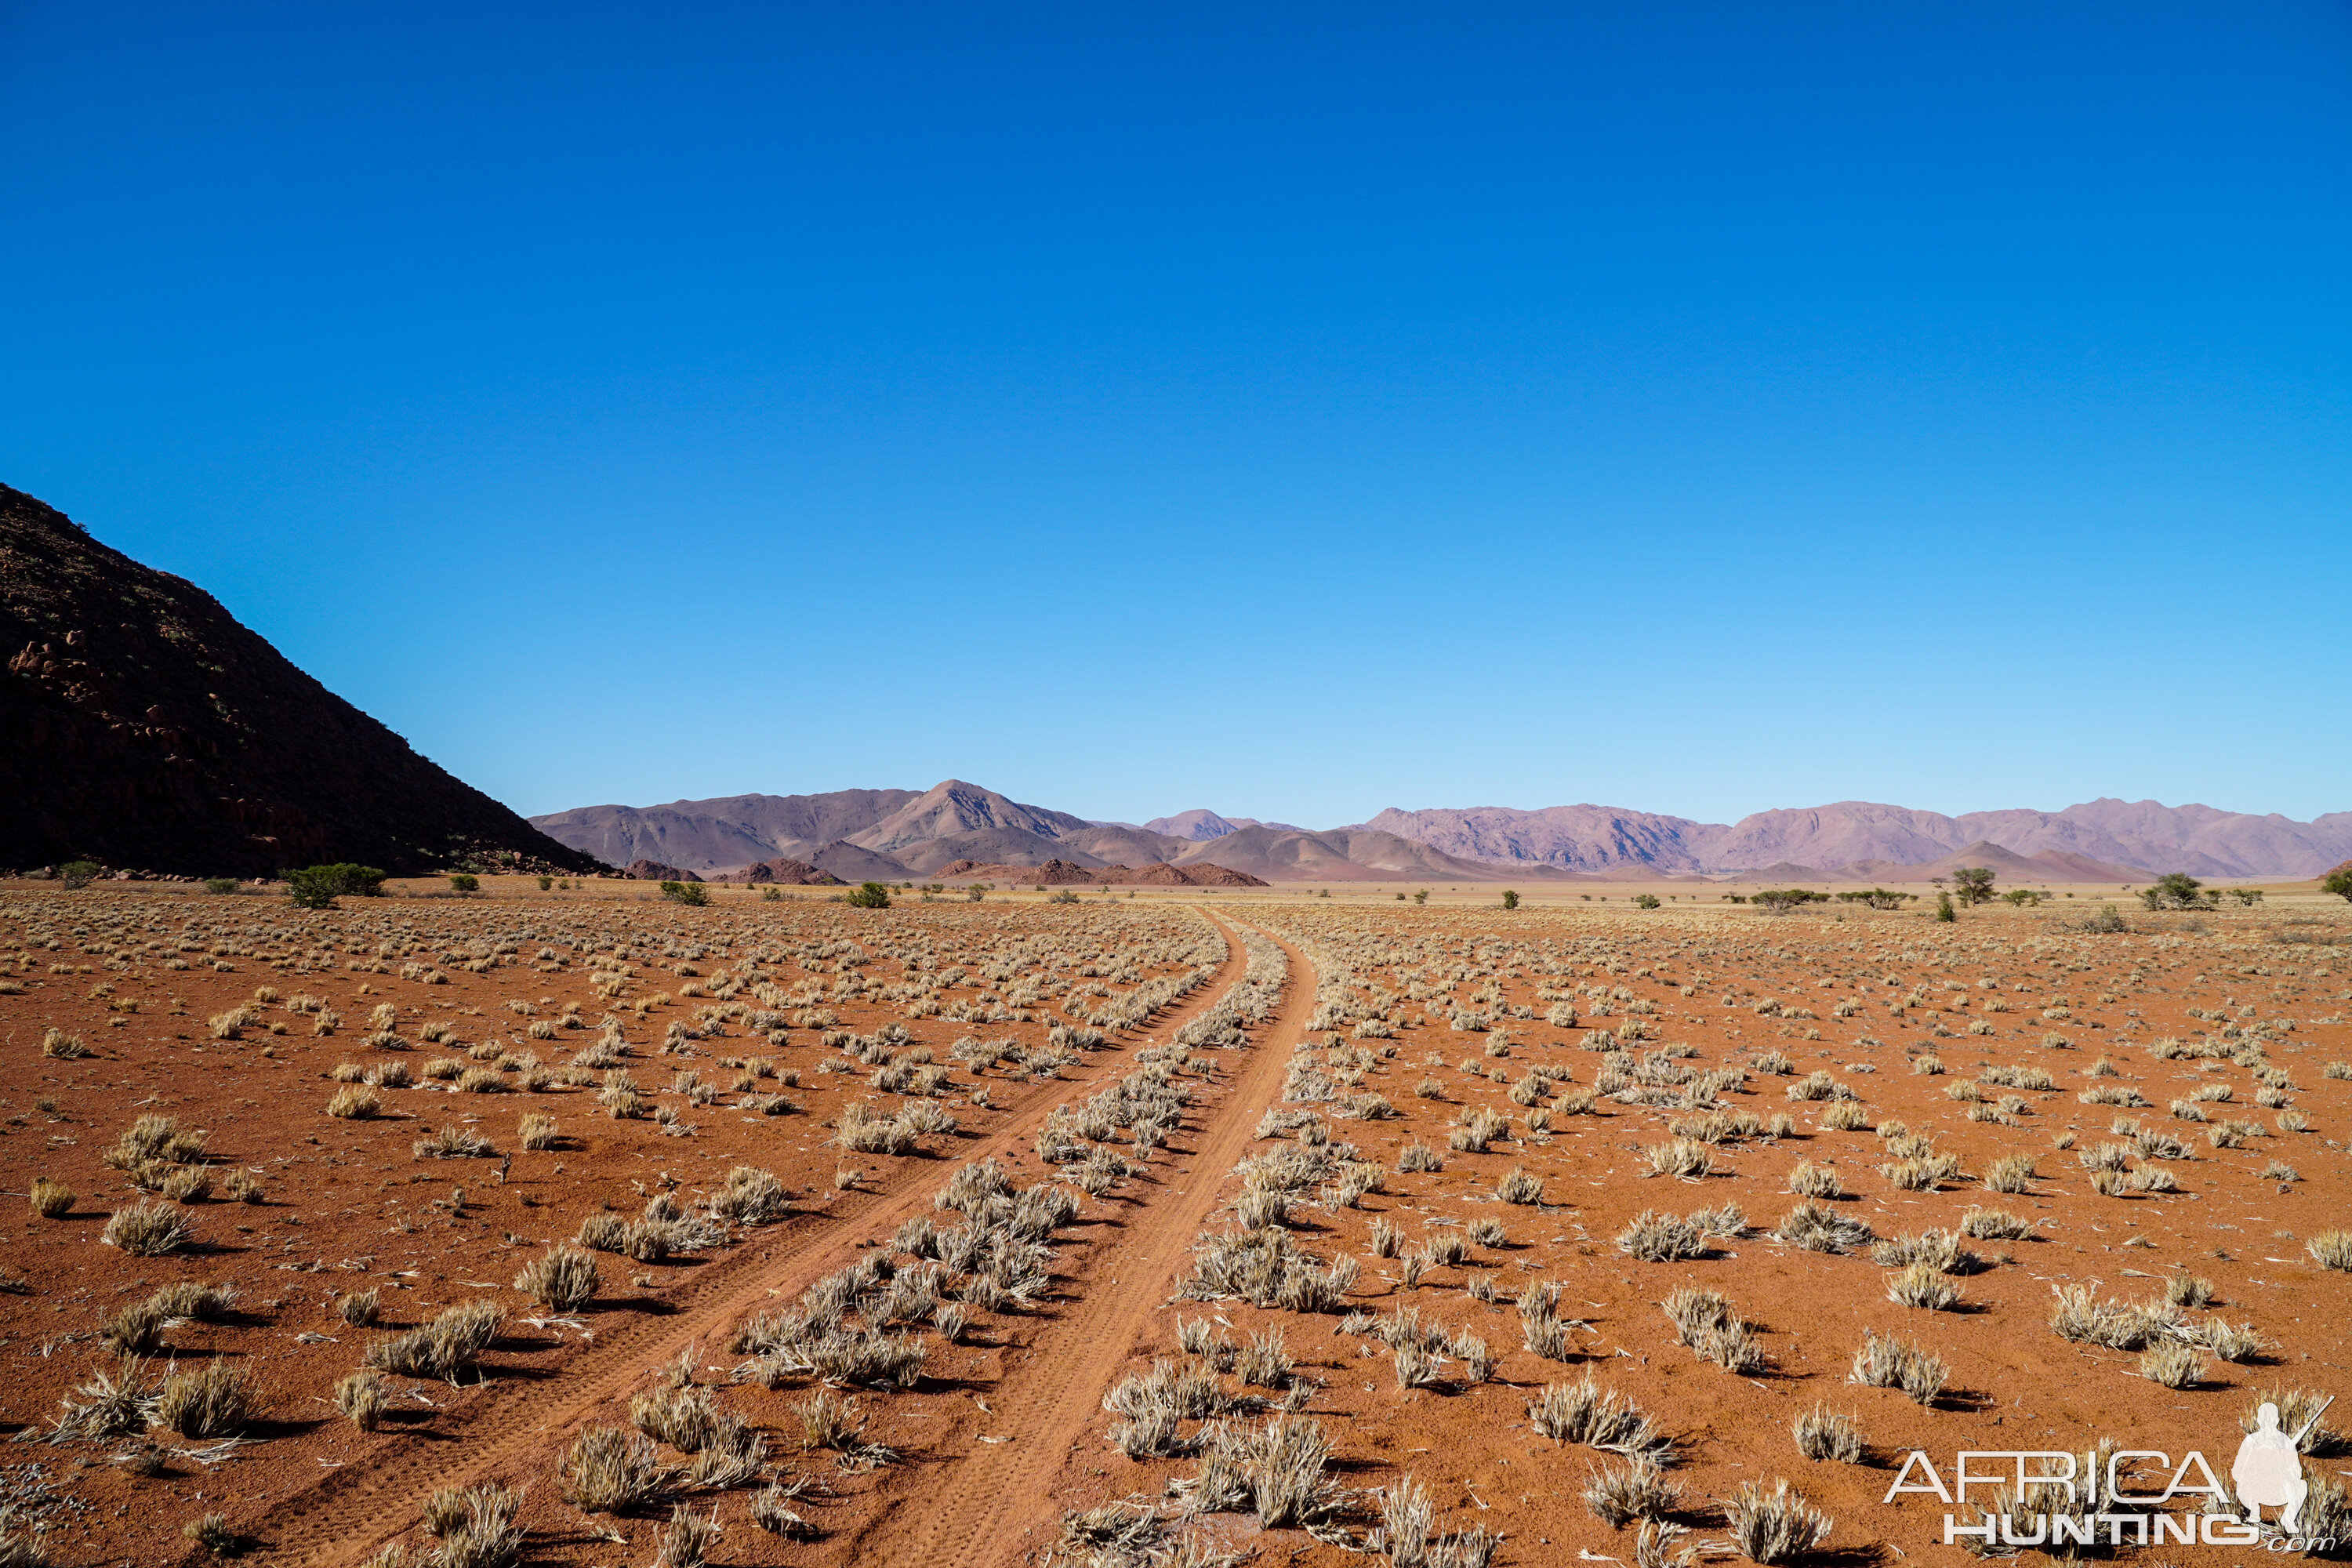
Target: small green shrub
(317,886)
(463,883)
(220,885)
(79,873)
(694,895)
(868,896)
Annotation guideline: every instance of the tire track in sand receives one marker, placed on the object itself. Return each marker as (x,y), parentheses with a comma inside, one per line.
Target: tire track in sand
(1001,1509)
(512,1432)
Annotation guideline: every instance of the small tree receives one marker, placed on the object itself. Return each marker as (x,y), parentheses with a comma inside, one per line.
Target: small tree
(1781,900)
(2338,882)
(1510,900)
(1972,884)
(1645,901)
(1944,907)
(317,886)
(2174,891)
(79,873)
(694,895)
(2022,897)
(1422,897)
(868,896)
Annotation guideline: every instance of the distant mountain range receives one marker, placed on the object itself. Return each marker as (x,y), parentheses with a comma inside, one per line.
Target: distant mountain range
(896,834)
(2115,834)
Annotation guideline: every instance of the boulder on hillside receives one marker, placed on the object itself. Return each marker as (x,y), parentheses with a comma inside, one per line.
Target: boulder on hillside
(784,873)
(1209,874)
(655,871)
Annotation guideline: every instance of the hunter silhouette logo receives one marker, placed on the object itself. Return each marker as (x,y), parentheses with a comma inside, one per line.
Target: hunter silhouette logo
(2269,1471)
(2053,1499)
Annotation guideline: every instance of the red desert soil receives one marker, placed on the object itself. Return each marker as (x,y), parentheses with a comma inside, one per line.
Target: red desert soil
(1289,1079)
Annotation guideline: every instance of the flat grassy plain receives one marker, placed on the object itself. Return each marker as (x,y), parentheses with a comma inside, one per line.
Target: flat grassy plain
(1150,1229)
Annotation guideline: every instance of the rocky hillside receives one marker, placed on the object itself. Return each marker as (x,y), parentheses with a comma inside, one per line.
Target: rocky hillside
(143,728)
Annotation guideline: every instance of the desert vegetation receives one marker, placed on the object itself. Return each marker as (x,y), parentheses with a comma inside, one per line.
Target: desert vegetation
(1518,1230)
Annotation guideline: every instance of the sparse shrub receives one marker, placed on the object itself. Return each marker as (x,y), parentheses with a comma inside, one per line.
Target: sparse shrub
(687,1543)
(355,1102)
(442,1348)
(215,1401)
(1619,1493)
(148,1229)
(1995,1224)
(535,1131)
(1884,1361)
(562,1279)
(2080,1317)
(317,886)
(609,1470)
(475,1526)
(1655,1237)
(1774,1524)
(136,1328)
(2331,1250)
(62,1047)
(688,1419)
(2172,1364)
(361,1397)
(1598,1417)
(1922,1285)
(1284,1464)
(453,1142)
(1705,1321)
(2232,1342)
(2191,1290)
(1825,1434)
(1811,1181)
(772,1510)
(828,1421)
(212,1532)
(50,1200)
(1520,1187)
(1818,1229)
(1681,1158)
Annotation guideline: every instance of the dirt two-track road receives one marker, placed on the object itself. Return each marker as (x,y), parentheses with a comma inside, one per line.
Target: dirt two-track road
(978,1495)
(993,1505)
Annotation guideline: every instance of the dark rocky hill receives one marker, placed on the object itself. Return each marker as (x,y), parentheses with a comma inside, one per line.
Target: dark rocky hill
(142,727)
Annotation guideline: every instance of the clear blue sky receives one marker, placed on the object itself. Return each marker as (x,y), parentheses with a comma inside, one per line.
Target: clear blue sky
(1291,409)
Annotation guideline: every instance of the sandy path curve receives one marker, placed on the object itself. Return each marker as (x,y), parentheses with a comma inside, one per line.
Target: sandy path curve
(992,1506)
(512,1432)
